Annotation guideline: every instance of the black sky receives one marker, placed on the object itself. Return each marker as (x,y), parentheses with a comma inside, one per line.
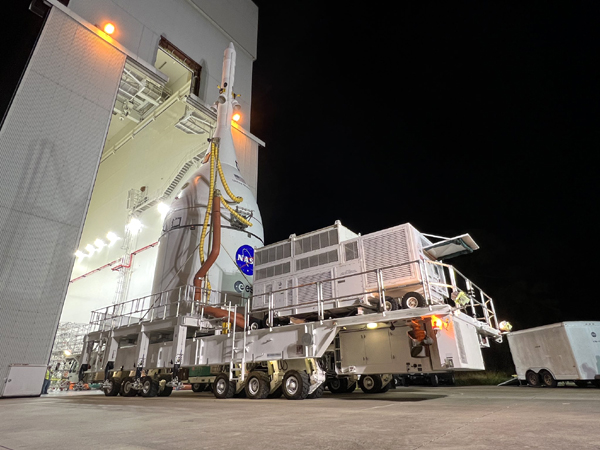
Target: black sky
(476,116)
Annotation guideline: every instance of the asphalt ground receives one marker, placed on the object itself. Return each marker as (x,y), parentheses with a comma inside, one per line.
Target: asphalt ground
(476,417)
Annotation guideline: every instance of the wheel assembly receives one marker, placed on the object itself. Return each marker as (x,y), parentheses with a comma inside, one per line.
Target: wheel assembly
(533,379)
(391,304)
(295,385)
(199,387)
(149,387)
(412,300)
(112,387)
(222,387)
(547,379)
(370,384)
(257,385)
(340,385)
(317,393)
(127,388)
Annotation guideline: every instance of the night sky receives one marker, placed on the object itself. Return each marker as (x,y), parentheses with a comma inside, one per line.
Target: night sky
(479,117)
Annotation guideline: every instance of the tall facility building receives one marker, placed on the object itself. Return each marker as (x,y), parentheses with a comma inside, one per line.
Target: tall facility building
(111,118)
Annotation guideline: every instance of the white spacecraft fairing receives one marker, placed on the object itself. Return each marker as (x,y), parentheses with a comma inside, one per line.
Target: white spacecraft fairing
(178,258)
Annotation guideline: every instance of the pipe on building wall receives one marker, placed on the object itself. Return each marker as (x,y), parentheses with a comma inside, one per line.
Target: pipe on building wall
(212,257)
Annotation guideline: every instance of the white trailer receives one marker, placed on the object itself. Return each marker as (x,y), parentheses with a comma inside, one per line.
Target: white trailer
(565,351)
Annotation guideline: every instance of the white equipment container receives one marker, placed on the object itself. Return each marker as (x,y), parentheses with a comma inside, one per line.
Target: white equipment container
(565,351)
(348,264)
(24,380)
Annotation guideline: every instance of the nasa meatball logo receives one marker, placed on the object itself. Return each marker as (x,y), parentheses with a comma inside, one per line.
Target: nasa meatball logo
(244,257)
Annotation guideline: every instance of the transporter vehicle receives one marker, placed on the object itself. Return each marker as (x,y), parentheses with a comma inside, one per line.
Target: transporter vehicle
(329,307)
(564,351)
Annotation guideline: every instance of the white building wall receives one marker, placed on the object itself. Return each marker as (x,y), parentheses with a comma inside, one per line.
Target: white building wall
(202,31)
(200,28)
(50,146)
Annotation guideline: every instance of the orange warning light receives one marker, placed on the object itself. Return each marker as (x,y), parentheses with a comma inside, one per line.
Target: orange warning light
(109,28)
(436,323)
(236,117)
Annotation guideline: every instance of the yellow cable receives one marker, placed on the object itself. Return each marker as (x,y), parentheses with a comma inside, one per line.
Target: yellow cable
(237,215)
(211,191)
(233,197)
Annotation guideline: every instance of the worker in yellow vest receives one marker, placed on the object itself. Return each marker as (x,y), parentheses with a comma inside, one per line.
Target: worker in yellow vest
(46,384)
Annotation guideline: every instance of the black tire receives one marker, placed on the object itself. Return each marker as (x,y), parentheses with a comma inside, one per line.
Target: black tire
(581,383)
(596,383)
(351,388)
(127,388)
(412,300)
(199,387)
(386,388)
(258,385)
(317,393)
(391,304)
(547,379)
(434,379)
(402,381)
(450,379)
(149,387)
(340,385)
(277,393)
(222,387)
(370,384)
(115,387)
(533,379)
(295,385)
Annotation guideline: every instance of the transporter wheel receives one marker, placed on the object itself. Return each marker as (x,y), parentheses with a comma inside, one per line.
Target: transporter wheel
(596,383)
(339,385)
(222,387)
(199,387)
(317,393)
(547,379)
(127,388)
(581,383)
(412,300)
(391,304)
(257,385)
(386,388)
(114,386)
(149,387)
(370,384)
(434,379)
(533,379)
(277,393)
(295,385)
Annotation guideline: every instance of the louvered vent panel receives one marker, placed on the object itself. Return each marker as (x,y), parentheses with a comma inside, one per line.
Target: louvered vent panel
(387,250)
(309,293)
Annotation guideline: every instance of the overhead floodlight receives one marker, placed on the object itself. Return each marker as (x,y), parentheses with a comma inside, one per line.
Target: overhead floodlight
(99,243)
(79,254)
(91,249)
(109,28)
(67,352)
(163,208)
(236,117)
(134,226)
(371,325)
(112,237)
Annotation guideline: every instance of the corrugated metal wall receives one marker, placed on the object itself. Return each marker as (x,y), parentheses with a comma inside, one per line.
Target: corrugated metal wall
(50,146)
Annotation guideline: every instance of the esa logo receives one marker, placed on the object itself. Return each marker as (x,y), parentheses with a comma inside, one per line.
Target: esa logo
(241,287)
(244,257)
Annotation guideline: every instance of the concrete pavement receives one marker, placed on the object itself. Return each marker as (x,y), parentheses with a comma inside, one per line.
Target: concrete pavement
(477,417)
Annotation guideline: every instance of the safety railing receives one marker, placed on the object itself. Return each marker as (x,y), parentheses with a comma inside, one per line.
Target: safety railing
(440,283)
(163,305)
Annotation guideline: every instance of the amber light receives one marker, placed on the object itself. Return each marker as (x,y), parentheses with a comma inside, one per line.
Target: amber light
(109,28)
(236,117)
(436,323)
